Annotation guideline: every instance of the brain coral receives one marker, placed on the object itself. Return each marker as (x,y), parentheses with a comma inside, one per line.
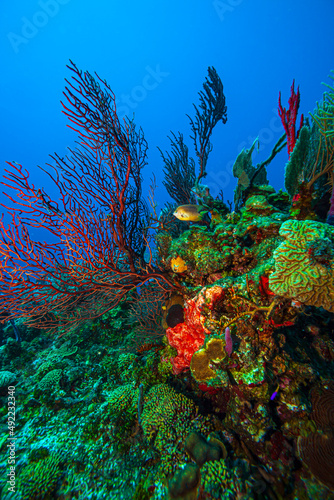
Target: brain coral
(304,265)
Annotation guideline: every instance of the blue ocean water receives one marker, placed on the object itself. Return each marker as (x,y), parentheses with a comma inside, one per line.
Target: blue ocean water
(155,58)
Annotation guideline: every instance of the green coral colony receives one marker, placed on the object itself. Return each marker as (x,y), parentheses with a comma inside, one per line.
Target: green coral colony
(219,385)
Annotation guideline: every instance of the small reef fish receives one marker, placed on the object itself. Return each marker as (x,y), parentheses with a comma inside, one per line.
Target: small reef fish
(274,394)
(296,304)
(191,213)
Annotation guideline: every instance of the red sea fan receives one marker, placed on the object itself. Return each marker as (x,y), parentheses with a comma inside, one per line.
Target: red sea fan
(98,221)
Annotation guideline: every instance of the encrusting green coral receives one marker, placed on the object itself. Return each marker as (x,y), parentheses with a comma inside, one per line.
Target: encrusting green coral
(198,251)
(53,359)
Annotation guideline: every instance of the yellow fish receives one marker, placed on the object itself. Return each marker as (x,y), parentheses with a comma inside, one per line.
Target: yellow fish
(190,213)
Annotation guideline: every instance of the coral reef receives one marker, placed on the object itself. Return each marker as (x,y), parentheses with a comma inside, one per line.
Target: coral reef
(210,375)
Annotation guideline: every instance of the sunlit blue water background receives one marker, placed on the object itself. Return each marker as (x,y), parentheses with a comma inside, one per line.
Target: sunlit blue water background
(155,57)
